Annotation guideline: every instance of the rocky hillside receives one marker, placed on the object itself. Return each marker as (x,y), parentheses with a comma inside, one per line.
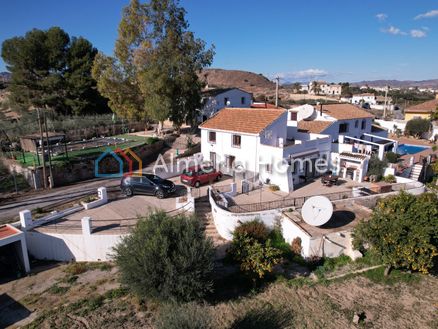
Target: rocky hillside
(249,81)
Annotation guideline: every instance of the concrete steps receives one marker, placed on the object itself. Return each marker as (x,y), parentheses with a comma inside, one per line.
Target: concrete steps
(416,172)
(203,213)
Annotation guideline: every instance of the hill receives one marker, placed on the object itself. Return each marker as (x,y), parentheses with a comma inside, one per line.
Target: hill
(433,83)
(249,81)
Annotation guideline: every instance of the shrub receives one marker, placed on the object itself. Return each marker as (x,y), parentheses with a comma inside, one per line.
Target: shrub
(264,317)
(76,268)
(402,231)
(152,140)
(376,167)
(186,316)
(392,157)
(296,246)
(274,188)
(255,258)
(254,229)
(166,258)
(417,126)
(390,179)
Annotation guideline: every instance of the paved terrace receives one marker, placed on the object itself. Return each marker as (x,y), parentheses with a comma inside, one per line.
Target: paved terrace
(313,188)
(345,217)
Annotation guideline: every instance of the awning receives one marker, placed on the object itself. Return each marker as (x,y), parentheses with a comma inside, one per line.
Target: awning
(304,154)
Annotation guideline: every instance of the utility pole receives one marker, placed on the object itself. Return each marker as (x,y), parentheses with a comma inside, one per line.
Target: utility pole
(49,151)
(42,148)
(386,101)
(277,82)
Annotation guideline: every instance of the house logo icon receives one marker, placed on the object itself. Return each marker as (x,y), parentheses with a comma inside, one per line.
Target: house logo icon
(119,155)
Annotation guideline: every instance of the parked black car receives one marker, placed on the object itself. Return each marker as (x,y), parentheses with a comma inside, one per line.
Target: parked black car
(147,184)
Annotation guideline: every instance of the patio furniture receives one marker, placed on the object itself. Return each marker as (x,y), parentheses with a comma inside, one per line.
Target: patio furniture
(329,180)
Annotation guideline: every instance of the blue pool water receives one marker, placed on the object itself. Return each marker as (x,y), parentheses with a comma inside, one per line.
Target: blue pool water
(410,149)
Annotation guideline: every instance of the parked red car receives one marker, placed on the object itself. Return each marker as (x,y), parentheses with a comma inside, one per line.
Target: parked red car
(196,176)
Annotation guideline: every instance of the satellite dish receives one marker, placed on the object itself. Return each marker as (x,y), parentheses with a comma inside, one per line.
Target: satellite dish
(305,112)
(317,210)
(228,103)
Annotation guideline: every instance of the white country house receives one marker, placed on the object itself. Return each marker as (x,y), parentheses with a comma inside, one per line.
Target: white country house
(260,143)
(214,100)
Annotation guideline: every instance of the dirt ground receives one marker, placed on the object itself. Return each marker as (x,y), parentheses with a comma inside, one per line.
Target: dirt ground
(68,296)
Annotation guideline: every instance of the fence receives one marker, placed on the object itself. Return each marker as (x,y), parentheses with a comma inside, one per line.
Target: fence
(298,202)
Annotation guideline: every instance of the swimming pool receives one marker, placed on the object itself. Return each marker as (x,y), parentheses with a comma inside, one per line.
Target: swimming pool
(410,149)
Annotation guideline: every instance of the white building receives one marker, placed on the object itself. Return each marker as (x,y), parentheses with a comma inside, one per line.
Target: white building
(368,98)
(214,100)
(353,135)
(261,143)
(324,88)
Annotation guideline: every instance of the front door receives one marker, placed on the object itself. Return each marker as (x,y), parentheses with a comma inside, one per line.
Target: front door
(213,159)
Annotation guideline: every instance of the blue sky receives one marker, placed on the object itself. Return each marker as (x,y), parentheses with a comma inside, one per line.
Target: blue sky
(337,40)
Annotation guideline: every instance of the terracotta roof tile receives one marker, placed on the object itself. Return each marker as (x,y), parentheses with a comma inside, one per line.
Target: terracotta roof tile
(244,120)
(315,126)
(7,231)
(345,111)
(426,107)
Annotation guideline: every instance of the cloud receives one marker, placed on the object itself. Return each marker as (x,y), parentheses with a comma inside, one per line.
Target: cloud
(381,17)
(393,30)
(429,14)
(418,33)
(303,74)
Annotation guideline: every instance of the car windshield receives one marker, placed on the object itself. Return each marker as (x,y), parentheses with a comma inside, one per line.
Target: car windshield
(155,179)
(188,173)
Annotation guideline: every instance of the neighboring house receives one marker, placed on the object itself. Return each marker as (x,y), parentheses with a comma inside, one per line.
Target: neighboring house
(367,98)
(331,89)
(214,100)
(260,142)
(324,88)
(423,110)
(380,103)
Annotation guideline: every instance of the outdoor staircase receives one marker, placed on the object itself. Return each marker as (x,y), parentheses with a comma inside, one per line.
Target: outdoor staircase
(203,213)
(416,172)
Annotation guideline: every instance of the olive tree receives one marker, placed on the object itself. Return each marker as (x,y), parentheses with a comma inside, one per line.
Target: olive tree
(166,258)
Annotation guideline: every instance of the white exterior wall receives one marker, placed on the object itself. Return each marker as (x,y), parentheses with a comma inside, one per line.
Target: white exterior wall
(333,130)
(357,99)
(68,247)
(246,154)
(214,104)
(389,125)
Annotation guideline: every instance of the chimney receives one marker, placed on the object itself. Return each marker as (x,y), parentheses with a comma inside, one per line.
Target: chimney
(320,109)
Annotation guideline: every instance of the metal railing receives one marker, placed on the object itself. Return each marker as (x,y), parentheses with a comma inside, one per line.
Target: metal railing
(297,202)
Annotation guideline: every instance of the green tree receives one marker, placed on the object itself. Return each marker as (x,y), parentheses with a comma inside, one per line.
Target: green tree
(376,166)
(417,126)
(316,87)
(166,258)
(158,58)
(50,70)
(253,251)
(434,115)
(403,231)
(296,87)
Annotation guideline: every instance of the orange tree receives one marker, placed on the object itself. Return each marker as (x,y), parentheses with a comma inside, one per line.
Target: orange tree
(403,231)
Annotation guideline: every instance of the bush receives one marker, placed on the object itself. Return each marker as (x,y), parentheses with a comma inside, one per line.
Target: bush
(256,258)
(417,126)
(274,188)
(392,157)
(402,231)
(166,258)
(152,140)
(376,167)
(390,179)
(263,318)
(186,316)
(254,229)
(296,246)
